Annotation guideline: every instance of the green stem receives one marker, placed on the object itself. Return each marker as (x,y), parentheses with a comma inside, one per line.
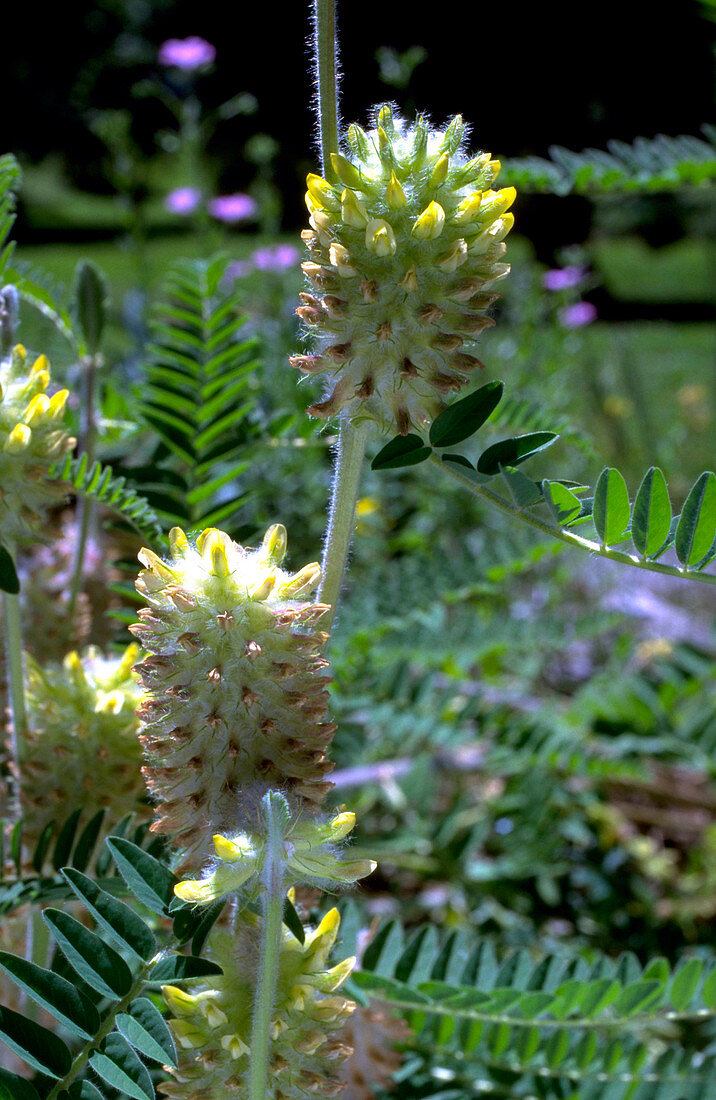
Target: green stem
(341,521)
(84,507)
(324,24)
(269,958)
(15,672)
(569,537)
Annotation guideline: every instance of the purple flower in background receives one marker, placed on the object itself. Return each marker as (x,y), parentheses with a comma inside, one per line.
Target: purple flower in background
(232,208)
(577,315)
(187,54)
(562,278)
(276,258)
(183,200)
(237,269)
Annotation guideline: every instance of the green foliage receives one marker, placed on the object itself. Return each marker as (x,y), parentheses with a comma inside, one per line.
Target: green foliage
(101,484)
(572,1022)
(199,397)
(657,164)
(104,1019)
(9,178)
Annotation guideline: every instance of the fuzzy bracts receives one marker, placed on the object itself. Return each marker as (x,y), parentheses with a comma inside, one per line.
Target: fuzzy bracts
(236,697)
(405,249)
(81,751)
(32,439)
(212,1018)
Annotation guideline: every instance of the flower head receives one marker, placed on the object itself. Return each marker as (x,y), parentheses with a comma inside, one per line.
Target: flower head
(82,750)
(211,1018)
(232,208)
(183,200)
(32,439)
(404,250)
(187,54)
(236,696)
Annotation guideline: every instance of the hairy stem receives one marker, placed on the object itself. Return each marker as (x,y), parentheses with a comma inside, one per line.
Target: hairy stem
(324,25)
(15,672)
(341,520)
(84,507)
(273,893)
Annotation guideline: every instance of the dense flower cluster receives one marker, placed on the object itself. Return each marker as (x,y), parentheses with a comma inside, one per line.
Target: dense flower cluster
(82,751)
(236,696)
(212,1018)
(32,439)
(405,249)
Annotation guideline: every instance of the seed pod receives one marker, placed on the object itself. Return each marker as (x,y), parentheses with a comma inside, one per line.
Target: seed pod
(411,224)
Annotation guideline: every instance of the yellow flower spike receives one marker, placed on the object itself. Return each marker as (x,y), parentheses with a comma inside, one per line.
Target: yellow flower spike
(321,221)
(353,211)
(341,825)
(384,145)
(181,1002)
(386,120)
(19,357)
(358,140)
(18,440)
(264,590)
(275,542)
(152,561)
(128,659)
(57,403)
(394,194)
(430,223)
(215,1016)
(440,171)
(37,409)
(380,238)
(454,257)
(340,258)
(328,981)
(302,582)
(232,850)
(178,543)
(109,703)
(321,192)
(467,210)
(219,561)
(234,1046)
(347,173)
(40,366)
(196,891)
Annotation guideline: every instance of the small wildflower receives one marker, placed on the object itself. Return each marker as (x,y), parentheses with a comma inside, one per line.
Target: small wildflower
(577,315)
(183,200)
(280,257)
(563,278)
(232,208)
(187,54)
